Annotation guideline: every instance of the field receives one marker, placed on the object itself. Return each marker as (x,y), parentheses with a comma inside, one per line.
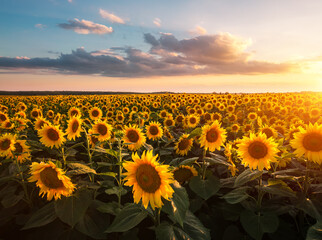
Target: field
(161,166)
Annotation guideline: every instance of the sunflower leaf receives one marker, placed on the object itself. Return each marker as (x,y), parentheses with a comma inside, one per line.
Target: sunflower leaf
(237,195)
(247,176)
(205,188)
(315,231)
(196,132)
(79,168)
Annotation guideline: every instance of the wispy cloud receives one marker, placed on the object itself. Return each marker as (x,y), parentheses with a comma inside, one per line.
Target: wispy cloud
(86,27)
(209,54)
(70,1)
(111,17)
(198,31)
(157,22)
(40,26)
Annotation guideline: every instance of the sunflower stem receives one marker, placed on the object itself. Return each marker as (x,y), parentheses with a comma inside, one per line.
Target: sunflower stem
(91,175)
(204,167)
(157,212)
(23,183)
(63,155)
(306,180)
(120,172)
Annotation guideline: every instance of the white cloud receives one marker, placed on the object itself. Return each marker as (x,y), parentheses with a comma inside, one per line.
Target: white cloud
(157,22)
(198,31)
(111,17)
(40,26)
(86,27)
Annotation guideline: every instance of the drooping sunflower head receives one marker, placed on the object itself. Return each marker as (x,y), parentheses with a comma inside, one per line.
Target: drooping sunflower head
(74,112)
(95,113)
(51,180)
(184,173)
(308,142)
(7,144)
(74,128)
(257,151)
(184,145)
(103,130)
(154,131)
(150,179)
(212,136)
(51,135)
(40,123)
(134,136)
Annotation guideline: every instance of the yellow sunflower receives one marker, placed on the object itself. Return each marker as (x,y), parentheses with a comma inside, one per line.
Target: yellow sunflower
(40,122)
(150,179)
(183,145)
(21,151)
(154,131)
(308,142)
(212,136)
(184,173)
(192,121)
(74,112)
(95,113)
(51,180)
(269,131)
(51,135)
(74,128)
(257,151)
(134,136)
(3,117)
(7,144)
(103,130)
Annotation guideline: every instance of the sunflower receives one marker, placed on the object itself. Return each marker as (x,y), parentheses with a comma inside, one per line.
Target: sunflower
(51,180)
(3,117)
(192,121)
(308,142)
(134,136)
(74,112)
(35,113)
(21,151)
(154,131)
(235,128)
(168,122)
(150,179)
(7,124)
(51,135)
(184,173)
(7,144)
(74,128)
(95,113)
(103,130)
(40,122)
(183,145)
(257,151)
(212,136)
(268,131)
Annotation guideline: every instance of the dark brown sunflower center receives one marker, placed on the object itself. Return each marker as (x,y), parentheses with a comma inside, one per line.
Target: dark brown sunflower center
(268,132)
(3,117)
(133,136)
(52,134)
(168,122)
(120,117)
(163,114)
(153,130)
(193,120)
(95,113)
(212,135)
(18,147)
(257,150)
(313,142)
(207,116)
(34,113)
(75,126)
(182,174)
(148,178)
(74,113)
(102,129)
(8,125)
(184,144)
(49,178)
(234,127)
(5,144)
(180,119)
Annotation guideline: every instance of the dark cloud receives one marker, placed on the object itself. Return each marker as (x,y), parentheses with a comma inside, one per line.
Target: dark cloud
(86,27)
(168,56)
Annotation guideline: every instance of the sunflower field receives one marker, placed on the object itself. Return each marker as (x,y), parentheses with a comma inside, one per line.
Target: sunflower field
(161,166)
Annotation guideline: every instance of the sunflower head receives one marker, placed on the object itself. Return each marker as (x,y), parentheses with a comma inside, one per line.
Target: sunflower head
(103,130)
(183,145)
(40,122)
(51,135)
(184,173)
(154,131)
(212,136)
(95,113)
(7,144)
(74,128)
(134,136)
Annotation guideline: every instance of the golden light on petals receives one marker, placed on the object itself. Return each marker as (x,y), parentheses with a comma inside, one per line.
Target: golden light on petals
(51,136)
(212,137)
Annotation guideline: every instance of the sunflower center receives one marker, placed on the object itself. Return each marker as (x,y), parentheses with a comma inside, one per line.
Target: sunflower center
(8,125)
(182,174)
(212,135)
(75,126)
(5,144)
(120,118)
(257,150)
(3,117)
(148,178)
(52,134)
(168,122)
(268,132)
(102,129)
(49,178)
(95,113)
(184,144)
(180,119)
(74,113)
(18,148)
(193,120)
(313,142)
(153,130)
(34,114)
(133,136)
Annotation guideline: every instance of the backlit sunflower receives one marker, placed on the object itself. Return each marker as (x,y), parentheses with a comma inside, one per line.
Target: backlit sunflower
(95,113)
(269,131)
(51,180)
(103,130)
(21,151)
(51,135)
(308,142)
(192,121)
(7,144)
(183,145)
(184,173)
(150,179)
(74,128)
(212,136)
(7,124)
(133,135)
(40,122)
(154,131)
(257,151)
(74,112)
(3,117)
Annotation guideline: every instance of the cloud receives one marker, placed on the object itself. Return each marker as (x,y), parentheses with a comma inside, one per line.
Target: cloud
(86,27)
(70,1)
(40,26)
(111,17)
(168,56)
(198,31)
(157,22)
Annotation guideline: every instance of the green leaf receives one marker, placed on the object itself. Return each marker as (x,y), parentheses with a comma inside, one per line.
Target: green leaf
(188,161)
(205,188)
(256,225)
(165,231)
(217,161)
(110,174)
(41,217)
(108,151)
(237,195)
(194,228)
(110,207)
(247,176)
(116,190)
(278,187)
(72,209)
(196,132)
(178,205)
(79,168)
(315,232)
(127,218)
(12,199)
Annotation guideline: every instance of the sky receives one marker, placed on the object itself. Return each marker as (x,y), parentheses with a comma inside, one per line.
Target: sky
(150,46)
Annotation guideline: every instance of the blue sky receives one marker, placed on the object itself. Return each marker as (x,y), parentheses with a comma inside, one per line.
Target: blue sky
(268,39)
